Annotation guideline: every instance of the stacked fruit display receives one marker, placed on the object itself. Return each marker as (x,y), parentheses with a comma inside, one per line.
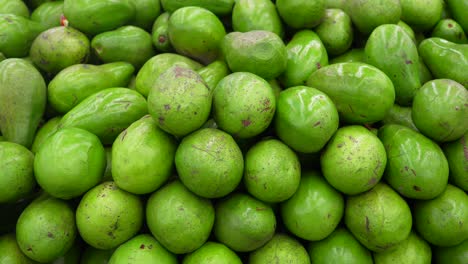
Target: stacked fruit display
(222,131)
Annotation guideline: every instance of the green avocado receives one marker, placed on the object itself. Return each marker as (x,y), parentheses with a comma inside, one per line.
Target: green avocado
(249,15)
(73,84)
(456,254)
(369,14)
(18,34)
(392,50)
(14,7)
(146,11)
(306,54)
(445,59)
(11,253)
(160,34)
(458,10)
(107,113)
(197,33)
(22,100)
(128,43)
(457,158)
(411,174)
(414,250)
(212,253)
(281,248)
(336,31)
(218,7)
(450,30)
(421,15)
(48,14)
(213,73)
(362,93)
(150,71)
(301,13)
(96,16)
(57,48)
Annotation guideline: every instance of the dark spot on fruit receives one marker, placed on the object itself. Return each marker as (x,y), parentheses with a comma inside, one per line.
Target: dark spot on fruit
(167,107)
(195,113)
(317,123)
(181,208)
(408,62)
(340,145)
(353,139)
(367,224)
(363,116)
(372,181)
(162,39)
(246,123)
(414,172)
(178,107)
(416,188)
(450,25)
(348,158)
(111,234)
(142,246)
(460,223)
(465,147)
(161,120)
(29,249)
(260,208)
(319,65)
(264,186)
(457,108)
(49,234)
(150,246)
(406,168)
(266,103)
(328,215)
(44,36)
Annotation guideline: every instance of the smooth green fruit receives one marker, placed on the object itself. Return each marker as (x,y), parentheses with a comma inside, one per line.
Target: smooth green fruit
(272,171)
(392,50)
(14,7)
(361,92)
(306,54)
(369,14)
(379,218)
(150,71)
(79,161)
(243,104)
(180,220)
(16,176)
(408,30)
(44,132)
(160,33)
(196,32)
(458,10)
(440,110)
(442,221)
(22,100)
(146,11)
(301,13)
(352,55)
(336,31)
(108,216)
(18,33)
(73,84)
(46,229)
(421,15)
(107,113)
(456,254)
(248,15)
(243,223)
(142,157)
(212,253)
(354,160)
(305,118)
(128,43)
(400,115)
(445,59)
(142,249)
(408,172)
(213,73)
(315,209)
(282,249)
(209,163)
(260,52)
(339,247)
(180,101)
(218,7)
(57,48)
(413,250)
(96,16)
(48,14)
(10,251)
(457,158)
(450,30)
(92,255)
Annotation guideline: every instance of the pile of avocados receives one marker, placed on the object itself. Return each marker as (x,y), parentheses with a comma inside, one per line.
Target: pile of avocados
(233,131)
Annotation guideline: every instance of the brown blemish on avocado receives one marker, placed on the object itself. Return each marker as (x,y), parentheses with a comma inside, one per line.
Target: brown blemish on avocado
(29,249)
(111,234)
(340,145)
(408,62)
(150,246)
(416,188)
(465,147)
(450,25)
(353,139)
(167,107)
(161,120)
(260,208)
(162,39)
(319,65)
(414,172)
(142,246)
(49,234)
(124,133)
(367,224)
(246,123)
(317,123)
(328,215)
(267,105)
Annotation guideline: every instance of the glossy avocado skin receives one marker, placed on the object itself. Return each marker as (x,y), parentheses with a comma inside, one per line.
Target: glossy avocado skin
(392,50)
(411,174)
(107,113)
(23,100)
(18,33)
(445,59)
(218,7)
(362,93)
